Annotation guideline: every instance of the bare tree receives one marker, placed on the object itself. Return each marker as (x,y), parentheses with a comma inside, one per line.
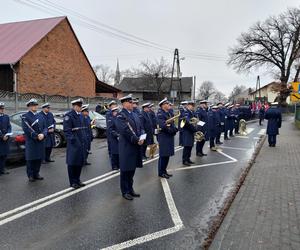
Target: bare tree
(206,90)
(238,89)
(273,44)
(219,96)
(104,73)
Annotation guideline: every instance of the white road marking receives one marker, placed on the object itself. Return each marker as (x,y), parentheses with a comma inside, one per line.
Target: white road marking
(243,149)
(249,130)
(228,156)
(47,203)
(68,191)
(241,136)
(262,131)
(51,196)
(178,224)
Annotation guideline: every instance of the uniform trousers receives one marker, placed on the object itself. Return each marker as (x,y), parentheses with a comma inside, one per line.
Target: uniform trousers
(115,161)
(186,153)
(199,147)
(126,181)
(212,142)
(144,150)
(2,162)
(74,172)
(48,152)
(163,164)
(272,139)
(236,127)
(33,167)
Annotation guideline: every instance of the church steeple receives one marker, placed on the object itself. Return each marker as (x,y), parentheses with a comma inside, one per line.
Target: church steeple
(118,74)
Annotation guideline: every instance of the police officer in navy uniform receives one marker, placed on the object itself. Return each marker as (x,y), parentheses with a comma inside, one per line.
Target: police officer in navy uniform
(201,113)
(153,117)
(112,104)
(231,119)
(165,138)
(130,129)
(188,133)
(88,131)
(50,123)
(213,126)
(148,128)
(182,109)
(227,122)
(273,115)
(221,117)
(74,130)
(5,130)
(236,112)
(113,135)
(136,106)
(36,131)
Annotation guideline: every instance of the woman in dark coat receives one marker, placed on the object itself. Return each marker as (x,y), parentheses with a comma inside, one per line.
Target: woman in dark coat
(273,115)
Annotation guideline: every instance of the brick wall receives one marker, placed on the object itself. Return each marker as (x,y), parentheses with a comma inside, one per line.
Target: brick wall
(56,66)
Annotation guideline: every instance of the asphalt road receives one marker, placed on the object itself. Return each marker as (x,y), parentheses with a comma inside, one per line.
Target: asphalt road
(173,214)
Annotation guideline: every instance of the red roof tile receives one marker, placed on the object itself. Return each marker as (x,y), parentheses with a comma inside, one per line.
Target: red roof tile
(16,39)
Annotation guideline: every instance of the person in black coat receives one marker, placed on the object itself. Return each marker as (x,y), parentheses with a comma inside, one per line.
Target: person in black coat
(111,105)
(50,123)
(5,132)
(188,133)
(221,127)
(182,109)
(88,131)
(74,130)
(153,117)
(130,129)
(35,130)
(273,115)
(201,113)
(261,114)
(165,138)
(113,135)
(146,122)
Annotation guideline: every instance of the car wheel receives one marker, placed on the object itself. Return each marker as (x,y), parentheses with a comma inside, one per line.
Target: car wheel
(95,132)
(58,140)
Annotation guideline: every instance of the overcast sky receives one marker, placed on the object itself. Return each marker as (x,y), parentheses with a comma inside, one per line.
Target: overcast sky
(198,27)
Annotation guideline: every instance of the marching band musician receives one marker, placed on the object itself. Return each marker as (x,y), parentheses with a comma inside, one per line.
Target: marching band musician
(152,116)
(227,122)
(76,148)
(237,118)
(136,106)
(202,116)
(231,119)
(188,132)
(35,130)
(113,135)
(165,138)
(5,130)
(112,104)
(148,127)
(50,123)
(130,157)
(213,126)
(88,131)
(182,109)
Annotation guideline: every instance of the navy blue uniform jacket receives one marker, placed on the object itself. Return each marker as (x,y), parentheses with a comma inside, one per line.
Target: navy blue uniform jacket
(188,131)
(212,123)
(34,149)
(148,127)
(113,135)
(202,116)
(74,130)
(49,120)
(273,115)
(166,135)
(5,127)
(88,131)
(130,155)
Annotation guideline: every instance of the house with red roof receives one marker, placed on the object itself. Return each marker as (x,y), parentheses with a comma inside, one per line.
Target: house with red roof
(44,56)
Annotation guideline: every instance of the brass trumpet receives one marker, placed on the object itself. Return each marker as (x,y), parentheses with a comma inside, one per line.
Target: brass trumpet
(172,119)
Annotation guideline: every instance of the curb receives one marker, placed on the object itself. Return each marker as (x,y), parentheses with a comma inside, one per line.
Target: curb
(226,206)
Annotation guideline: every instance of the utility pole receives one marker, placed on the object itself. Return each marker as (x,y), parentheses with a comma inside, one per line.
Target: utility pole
(177,78)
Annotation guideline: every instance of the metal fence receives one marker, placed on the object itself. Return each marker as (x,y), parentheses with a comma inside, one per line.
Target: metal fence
(17,101)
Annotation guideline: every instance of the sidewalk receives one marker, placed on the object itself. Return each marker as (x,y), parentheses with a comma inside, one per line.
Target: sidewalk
(266,212)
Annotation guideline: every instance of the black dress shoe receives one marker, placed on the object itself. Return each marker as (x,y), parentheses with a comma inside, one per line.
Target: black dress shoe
(191,162)
(127,197)
(81,184)
(31,179)
(219,143)
(40,178)
(170,175)
(44,162)
(87,164)
(134,194)
(227,139)
(75,186)
(115,168)
(164,176)
(199,154)
(186,163)
(204,154)
(50,160)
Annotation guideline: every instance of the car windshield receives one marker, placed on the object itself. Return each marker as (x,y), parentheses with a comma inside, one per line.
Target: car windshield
(95,115)
(15,127)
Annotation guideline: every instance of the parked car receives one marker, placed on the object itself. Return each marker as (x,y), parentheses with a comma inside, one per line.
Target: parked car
(60,139)
(16,144)
(99,129)
(245,112)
